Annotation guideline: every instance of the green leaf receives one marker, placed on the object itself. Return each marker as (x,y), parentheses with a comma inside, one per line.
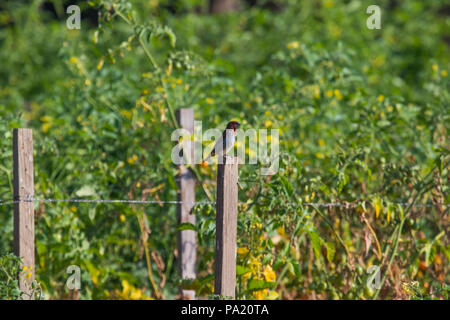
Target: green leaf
(241,270)
(273,295)
(267,258)
(296,268)
(206,279)
(278,264)
(185,226)
(297,228)
(92,213)
(287,185)
(316,242)
(255,285)
(330,251)
(291,268)
(285,250)
(402,214)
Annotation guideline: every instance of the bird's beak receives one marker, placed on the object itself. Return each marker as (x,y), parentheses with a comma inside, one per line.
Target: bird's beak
(238,124)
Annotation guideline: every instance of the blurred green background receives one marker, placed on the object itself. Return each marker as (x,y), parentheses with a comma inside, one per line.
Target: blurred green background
(363,115)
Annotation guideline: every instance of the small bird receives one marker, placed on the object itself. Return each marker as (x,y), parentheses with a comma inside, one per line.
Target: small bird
(225,142)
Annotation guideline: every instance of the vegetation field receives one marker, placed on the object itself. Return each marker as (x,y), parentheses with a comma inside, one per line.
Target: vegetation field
(363,120)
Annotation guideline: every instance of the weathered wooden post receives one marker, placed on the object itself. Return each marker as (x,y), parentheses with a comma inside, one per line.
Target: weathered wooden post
(24,210)
(187,243)
(226,227)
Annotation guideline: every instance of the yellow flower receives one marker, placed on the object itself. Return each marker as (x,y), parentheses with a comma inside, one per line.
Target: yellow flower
(269,274)
(209,101)
(280,231)
(100,63)
(45,127)
(245,276)
(337,94)
(329,93)
(380,98)
(293,45)
(73,209)
(242,251)
(46,119)
(444,73)
(179,81)
(328,3)
(129,292)
(136,294)
(126,114)
(126,287)
(122,218)
(268,123)
(260,294)
(73,60)
(320,155)
(255,265)
(132,159)
(435,67)
(378,206)
(321,142)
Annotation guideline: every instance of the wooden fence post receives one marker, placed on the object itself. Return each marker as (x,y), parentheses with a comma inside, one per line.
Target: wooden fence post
(186,240)
(226,227)
(24,211)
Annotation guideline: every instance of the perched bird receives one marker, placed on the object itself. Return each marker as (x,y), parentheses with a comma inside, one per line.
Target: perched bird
(225,142)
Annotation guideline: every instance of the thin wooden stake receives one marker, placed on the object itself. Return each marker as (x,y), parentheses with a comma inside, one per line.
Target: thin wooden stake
(187,243)
(226,227)
(24,211)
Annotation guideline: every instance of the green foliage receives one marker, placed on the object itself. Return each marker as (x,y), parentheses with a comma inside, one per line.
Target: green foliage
(363,119)
(9,273)
(10,268)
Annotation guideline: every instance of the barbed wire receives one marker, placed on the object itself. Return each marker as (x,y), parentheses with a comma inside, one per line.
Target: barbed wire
(128,201)
(348,205)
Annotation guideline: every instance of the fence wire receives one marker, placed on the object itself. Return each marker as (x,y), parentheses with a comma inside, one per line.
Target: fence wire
(344,204)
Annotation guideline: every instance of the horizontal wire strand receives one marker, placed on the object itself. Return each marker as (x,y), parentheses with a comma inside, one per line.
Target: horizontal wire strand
(129,201)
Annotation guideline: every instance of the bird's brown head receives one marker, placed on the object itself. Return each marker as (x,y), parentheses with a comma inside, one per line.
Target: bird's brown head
(233,125)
